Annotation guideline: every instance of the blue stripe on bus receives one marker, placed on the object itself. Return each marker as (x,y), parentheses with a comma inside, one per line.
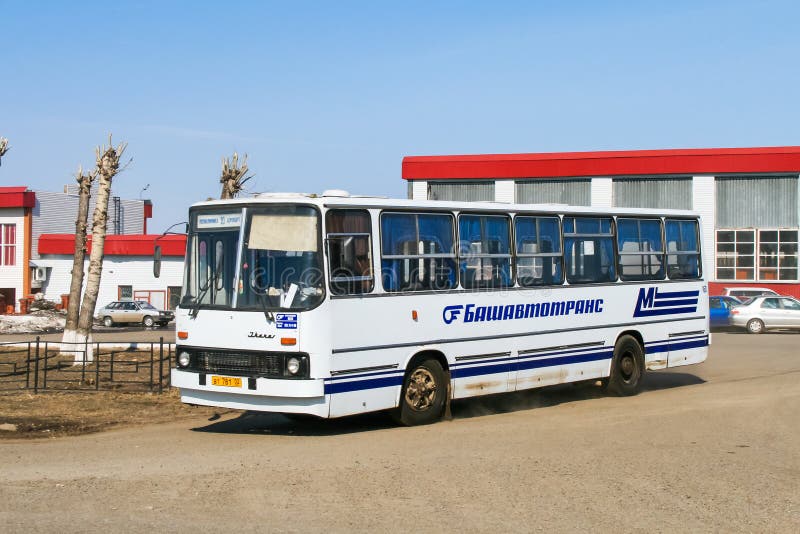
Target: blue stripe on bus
(373,383)
(507,365)
(522,357)
(665,311)
(682,302)
(676,294)
(674,340)
(677,346)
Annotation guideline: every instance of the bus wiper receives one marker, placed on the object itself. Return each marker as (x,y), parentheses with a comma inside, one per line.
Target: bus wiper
(268,315)
(195,308)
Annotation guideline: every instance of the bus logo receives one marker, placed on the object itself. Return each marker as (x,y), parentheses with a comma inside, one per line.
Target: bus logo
(451,313)
(652,302)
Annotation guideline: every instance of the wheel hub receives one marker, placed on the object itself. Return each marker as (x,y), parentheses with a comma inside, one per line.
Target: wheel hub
(627,366)
(421,390)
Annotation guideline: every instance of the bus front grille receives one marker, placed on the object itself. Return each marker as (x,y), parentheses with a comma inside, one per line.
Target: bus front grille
(238,363)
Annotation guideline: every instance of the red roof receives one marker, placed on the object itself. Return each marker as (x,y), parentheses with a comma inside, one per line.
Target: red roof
(606,163)
(116,245)
(17,197)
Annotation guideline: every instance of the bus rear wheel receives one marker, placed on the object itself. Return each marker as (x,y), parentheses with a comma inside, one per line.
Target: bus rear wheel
(627,367)
(424,394)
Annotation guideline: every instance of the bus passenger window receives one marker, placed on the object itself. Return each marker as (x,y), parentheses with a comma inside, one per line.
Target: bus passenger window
(589,250)
(538,248)
(683,251)
(349,243)
(417,252)
(641,250)
(484,251)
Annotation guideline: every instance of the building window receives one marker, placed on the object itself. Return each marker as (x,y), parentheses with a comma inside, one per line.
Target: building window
(777,254)
(125,292)
(8,244)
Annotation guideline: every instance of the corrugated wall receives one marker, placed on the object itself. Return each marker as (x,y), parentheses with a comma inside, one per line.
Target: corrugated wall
(659,193)
(55,213)
(572,192)
(777,204)
(461,191)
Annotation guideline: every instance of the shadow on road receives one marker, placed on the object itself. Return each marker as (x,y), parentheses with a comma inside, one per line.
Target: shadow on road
(280,425)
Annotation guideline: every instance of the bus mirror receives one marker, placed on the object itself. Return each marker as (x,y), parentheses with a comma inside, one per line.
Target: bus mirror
(157,261)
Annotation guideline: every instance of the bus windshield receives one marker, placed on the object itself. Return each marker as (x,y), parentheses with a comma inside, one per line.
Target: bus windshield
(279,264)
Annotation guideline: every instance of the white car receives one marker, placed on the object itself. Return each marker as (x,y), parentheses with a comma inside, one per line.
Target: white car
(744,293)
(767,312)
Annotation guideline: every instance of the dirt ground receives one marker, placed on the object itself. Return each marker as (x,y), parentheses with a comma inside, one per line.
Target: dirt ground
(714,447)
(56,414)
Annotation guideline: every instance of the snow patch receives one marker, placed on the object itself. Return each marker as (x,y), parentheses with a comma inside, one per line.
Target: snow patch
(37,322)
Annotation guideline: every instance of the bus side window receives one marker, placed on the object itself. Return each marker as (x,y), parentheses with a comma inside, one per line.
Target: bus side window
(484,251)
(683,251)
(589,250)
(349,243)
(417,252)
(538,251)
(641,250)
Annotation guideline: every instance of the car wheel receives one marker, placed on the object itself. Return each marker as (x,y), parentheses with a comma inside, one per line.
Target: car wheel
(107,321)
(627,368)
(755,326)
(424,393)
(148,321)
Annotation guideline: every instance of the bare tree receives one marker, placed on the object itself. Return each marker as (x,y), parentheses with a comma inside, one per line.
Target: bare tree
(107,166)
(233,176)
(69,338)
(3,148)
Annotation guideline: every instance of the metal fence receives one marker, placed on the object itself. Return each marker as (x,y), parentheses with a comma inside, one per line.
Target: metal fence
(37,366)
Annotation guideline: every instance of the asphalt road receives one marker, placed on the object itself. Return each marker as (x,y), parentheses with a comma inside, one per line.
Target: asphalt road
(713,447)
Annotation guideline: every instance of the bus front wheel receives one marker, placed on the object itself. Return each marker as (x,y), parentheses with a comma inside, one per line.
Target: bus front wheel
(627,367)
(424,393)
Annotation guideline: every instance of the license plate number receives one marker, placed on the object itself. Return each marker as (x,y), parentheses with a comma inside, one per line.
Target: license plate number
(226,381)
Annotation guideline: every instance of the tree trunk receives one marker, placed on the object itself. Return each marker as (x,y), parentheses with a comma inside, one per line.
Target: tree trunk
(107,166)
(70,329)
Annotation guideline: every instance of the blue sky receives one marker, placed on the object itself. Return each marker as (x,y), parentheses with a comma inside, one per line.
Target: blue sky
(333,94)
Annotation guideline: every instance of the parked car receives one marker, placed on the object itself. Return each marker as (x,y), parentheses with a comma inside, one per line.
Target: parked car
(720,309)
(128,311)
(744,293)
(767,312)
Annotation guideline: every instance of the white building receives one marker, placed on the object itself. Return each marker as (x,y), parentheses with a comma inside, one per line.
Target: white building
(127,268)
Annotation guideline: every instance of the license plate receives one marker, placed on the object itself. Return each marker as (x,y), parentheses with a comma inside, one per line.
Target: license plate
(226,381)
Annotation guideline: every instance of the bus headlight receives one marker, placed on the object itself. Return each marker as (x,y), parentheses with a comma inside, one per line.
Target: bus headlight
(184,358)
(293,366)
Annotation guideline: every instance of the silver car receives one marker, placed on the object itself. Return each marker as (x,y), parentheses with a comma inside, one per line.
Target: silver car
(128,311)
(767,312)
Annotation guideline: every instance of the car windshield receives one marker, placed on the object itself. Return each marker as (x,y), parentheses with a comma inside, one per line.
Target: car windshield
(277,266)
(147,306)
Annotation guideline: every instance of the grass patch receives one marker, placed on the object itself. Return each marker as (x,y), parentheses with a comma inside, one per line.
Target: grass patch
(54,414)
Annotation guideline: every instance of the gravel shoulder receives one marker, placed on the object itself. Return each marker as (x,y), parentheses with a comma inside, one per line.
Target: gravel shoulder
(714,447)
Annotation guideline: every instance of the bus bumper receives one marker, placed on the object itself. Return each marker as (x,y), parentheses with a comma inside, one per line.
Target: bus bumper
(269,395)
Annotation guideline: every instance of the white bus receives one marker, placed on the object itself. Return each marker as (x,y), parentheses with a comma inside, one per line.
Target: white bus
(334,305)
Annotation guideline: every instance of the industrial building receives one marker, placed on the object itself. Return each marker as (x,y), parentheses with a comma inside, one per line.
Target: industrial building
(37,243)
(748,197)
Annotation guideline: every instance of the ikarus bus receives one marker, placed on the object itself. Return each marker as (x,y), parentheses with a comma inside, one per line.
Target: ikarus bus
(334,305)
